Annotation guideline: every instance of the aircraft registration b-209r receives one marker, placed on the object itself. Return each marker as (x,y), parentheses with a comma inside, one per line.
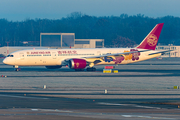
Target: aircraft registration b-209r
(79,59)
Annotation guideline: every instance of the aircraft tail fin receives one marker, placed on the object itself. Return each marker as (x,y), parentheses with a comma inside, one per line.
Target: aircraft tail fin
(150,41)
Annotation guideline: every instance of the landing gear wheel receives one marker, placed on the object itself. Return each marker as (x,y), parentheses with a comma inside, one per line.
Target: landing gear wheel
(91,69)
(17,69)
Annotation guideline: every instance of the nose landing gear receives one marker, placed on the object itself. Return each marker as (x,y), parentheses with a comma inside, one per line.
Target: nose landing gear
(17,68)
(91,68)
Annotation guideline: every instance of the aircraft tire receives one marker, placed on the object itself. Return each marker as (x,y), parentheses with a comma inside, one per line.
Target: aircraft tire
(17,69)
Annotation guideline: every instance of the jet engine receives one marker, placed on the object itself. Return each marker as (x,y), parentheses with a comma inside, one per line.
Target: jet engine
(77,63)
(54,67)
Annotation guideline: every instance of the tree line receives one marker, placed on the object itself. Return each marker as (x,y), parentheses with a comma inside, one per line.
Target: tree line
(117,31)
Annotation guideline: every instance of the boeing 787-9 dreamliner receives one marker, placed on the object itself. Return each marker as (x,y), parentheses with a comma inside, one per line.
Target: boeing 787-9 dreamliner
(79,59)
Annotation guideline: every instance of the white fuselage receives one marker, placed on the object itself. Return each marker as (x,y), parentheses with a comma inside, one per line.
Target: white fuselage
(53,57)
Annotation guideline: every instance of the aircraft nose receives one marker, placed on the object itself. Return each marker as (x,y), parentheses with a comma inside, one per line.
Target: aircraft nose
(5,61)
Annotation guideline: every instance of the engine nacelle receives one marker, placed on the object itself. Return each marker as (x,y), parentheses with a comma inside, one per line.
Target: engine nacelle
(77,63)
(54,67)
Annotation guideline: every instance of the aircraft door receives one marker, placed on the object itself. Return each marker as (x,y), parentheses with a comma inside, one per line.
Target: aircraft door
(19,60)
(98,52)
(21,56)
(54,55)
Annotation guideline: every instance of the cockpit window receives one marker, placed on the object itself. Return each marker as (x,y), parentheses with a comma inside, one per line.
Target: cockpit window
(10,56)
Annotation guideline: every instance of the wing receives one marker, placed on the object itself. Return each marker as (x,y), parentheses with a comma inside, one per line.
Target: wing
(115,54)
(110,57)
(106,57)
(119,56)
(162,52)
(116,57)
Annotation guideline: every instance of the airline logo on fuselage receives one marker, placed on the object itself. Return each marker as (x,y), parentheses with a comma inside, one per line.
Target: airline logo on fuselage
(152,40)
(39,52)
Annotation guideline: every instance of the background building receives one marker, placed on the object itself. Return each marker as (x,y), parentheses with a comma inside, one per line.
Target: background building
(66,40)
(89,43)
(174,53)
(57,39)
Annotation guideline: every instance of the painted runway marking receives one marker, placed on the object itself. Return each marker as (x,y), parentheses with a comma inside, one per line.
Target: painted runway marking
(149,117)
(51,110)
(131,105)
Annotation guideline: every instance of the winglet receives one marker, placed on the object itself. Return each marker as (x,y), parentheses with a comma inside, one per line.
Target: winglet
(150,41)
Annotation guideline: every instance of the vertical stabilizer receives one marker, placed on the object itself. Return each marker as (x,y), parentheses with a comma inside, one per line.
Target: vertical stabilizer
(150,41)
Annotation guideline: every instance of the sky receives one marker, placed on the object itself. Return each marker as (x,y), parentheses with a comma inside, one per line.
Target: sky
(19,10)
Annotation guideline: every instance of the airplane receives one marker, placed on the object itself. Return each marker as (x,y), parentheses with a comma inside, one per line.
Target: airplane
(79,59)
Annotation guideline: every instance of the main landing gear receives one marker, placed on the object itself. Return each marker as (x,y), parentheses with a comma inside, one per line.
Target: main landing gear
(91,69)
(17,68)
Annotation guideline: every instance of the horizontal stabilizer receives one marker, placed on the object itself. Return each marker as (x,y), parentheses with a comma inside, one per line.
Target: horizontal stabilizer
(160,52)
